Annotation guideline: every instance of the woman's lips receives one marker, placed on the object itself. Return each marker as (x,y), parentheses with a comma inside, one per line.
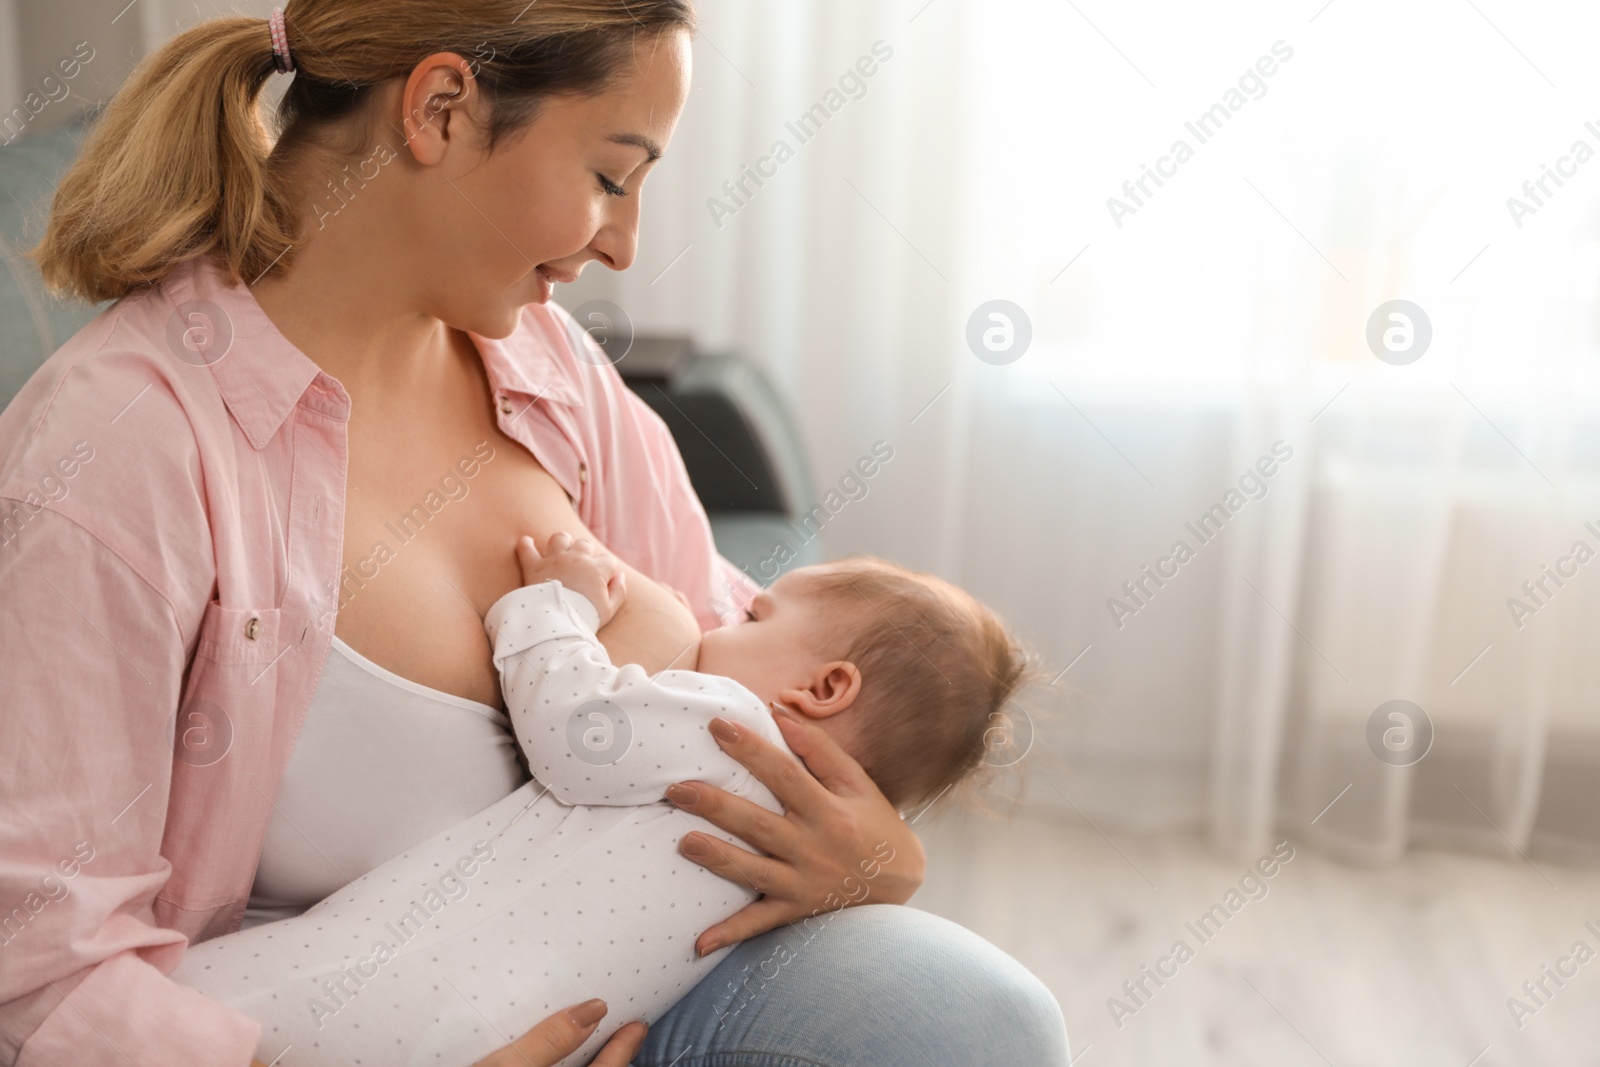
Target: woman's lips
(548,277)
(557,275)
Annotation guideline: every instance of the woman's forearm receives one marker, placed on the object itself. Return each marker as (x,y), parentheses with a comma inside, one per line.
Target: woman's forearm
(653,628)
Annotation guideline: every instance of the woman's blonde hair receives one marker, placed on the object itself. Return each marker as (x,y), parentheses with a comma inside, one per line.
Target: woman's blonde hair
(180,165)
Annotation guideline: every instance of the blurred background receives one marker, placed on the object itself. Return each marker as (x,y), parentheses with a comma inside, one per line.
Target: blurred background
(1177,321)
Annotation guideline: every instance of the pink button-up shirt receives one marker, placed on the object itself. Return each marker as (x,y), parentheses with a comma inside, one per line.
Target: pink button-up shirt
(171,534)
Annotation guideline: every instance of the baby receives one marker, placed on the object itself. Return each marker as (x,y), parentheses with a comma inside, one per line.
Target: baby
(572,887)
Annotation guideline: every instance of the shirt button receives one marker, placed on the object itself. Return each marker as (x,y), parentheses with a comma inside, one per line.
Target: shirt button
(252,629)
(583,474)
(505,405)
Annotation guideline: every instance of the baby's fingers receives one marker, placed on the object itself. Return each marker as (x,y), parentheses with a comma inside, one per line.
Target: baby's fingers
(528,558)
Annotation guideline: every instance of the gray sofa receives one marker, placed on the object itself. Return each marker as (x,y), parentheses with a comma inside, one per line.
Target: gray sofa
(32,323)
(737,437)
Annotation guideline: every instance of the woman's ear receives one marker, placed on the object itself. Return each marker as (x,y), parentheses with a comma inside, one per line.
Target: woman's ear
(833,688)
(439,85)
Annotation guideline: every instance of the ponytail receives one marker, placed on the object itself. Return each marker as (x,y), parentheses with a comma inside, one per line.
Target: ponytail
(175,168)
(181,165)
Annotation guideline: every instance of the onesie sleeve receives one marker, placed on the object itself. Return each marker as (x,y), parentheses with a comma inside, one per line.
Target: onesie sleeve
(598,734)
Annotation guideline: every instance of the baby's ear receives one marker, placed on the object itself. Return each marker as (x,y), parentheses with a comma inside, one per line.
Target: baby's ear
(833,688)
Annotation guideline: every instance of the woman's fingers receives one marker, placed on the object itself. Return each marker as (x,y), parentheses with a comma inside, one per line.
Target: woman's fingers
(559,1036)
(738,865)
(744,819)
(835,768)
(778,770)
(835,845)
(754,918)
(620,1049)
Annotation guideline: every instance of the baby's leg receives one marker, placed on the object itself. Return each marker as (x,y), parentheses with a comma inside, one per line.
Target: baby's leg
(459,945)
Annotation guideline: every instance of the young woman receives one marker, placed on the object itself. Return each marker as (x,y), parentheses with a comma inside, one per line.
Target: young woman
(250,515)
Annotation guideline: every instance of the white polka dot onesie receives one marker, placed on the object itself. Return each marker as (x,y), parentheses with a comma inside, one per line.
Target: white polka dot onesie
(572,887)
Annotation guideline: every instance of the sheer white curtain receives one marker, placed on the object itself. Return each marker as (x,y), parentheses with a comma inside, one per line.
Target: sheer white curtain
(1366,154)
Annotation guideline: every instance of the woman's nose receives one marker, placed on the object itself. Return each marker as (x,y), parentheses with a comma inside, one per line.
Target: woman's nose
(617,242)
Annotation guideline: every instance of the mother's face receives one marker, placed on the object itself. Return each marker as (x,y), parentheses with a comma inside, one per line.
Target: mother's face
(495,231)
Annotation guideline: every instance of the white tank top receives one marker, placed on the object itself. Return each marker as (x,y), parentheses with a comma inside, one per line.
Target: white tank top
(381,764)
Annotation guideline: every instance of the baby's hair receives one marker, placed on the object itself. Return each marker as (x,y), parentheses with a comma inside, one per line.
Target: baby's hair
(937,671)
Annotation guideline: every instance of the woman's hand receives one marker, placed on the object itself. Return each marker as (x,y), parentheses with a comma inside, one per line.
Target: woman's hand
(840,843)
(563,1032)
(559,1035)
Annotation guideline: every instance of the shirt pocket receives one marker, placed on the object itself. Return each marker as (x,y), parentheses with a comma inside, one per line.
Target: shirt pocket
(222,749)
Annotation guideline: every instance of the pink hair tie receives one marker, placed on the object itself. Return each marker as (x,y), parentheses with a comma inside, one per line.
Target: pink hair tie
(280,43)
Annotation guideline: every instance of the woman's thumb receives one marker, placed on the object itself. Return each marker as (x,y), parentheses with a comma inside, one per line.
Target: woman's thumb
(555,1038)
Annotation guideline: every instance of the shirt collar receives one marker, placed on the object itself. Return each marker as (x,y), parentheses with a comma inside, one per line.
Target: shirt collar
(526,362)
(260,375)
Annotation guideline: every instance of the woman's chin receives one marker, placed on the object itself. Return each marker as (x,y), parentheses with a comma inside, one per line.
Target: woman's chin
(496,325)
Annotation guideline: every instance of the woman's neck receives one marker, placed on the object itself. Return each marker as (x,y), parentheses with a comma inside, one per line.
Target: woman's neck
(354,299)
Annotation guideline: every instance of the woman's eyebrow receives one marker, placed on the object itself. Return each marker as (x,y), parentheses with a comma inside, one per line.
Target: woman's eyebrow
(638,141)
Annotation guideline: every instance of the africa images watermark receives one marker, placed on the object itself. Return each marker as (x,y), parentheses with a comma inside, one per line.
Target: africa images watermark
(852,86)
(53,487)
(52,90)
(450,888)
(853,890)
(407,527)
(1537,993)
(51,889)
(1252,887)
(1566,167)
(343,191)
(853,486)
(1253,486)
(1538,592)
(1203,128)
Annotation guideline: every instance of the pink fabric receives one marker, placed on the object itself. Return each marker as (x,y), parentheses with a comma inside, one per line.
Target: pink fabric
(171,536)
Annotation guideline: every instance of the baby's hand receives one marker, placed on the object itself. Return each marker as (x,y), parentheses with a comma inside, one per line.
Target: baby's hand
(576,565)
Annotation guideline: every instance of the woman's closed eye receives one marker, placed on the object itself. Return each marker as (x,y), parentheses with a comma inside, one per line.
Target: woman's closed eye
(609,187)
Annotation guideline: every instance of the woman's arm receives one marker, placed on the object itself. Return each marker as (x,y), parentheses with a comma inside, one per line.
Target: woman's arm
(840,843)
(91,658)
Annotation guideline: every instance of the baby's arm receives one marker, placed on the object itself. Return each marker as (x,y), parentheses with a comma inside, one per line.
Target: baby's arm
(594,733)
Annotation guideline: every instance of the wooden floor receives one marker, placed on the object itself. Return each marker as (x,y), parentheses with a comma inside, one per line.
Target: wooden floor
(1409,966)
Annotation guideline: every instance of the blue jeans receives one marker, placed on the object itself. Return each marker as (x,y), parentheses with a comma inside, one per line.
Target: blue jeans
(874,986)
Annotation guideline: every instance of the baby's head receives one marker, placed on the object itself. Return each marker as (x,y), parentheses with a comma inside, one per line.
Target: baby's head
(905,671)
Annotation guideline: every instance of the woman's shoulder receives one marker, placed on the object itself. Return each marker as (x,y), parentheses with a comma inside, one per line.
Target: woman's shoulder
(92,388)
(108,431)
(162,369)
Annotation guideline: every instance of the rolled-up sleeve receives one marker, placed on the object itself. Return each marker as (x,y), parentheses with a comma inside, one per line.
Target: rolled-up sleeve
(92,657)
